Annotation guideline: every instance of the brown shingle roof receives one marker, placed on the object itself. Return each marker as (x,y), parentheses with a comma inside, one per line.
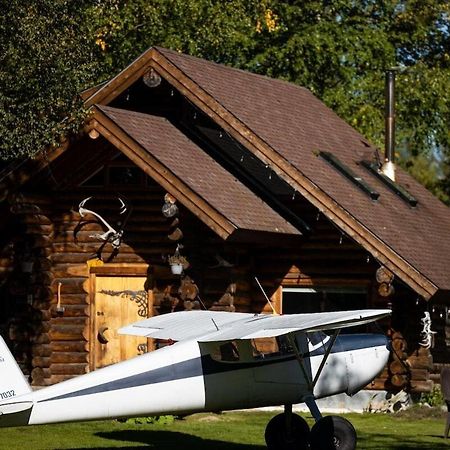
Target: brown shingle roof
(296,125)
(199,172)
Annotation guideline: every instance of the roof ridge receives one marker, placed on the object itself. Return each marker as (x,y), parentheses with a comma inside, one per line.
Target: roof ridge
(223,66)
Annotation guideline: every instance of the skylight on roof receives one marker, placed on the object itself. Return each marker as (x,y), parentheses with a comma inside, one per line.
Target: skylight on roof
(392,185)
(349,174)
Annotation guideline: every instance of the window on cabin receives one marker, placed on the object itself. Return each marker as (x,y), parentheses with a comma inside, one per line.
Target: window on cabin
(119,171)
(297,300)
(322,299)
(271,347)
(125,176)
(228,351)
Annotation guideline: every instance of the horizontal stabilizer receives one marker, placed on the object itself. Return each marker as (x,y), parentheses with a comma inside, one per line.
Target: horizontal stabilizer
(208,326)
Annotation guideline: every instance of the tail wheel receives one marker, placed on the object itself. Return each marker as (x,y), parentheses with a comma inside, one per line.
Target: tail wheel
(333,433)
(279,437)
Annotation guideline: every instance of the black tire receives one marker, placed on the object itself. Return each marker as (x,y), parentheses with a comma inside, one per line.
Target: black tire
(277,437)
(333,433)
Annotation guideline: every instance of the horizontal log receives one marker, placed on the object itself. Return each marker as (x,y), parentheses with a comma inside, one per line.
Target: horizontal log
(152,235)
(66,333)
(399,381)
(70,270)
(38,374)
(43,264)
(422,386)
(397,367)
(75,299)
(70,285)
(69,358)
(38,219)
(399,345)
(43,338)
(69,369)
(70,346)
(44,278)
(420,374)
(67,321)
(41,361)
(242,301)
(80,258)
(37,228)
(70,311)
(54,379)
(42,350)
(379,384)
(24,208)
(422,351)
(421,362)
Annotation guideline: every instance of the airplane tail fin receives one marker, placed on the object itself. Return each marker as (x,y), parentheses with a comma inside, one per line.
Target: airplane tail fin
(12,381)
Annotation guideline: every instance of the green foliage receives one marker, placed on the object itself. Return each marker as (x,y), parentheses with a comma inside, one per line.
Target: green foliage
(433,398)
(213,29)
(160,420)
(338,49)
(45,60)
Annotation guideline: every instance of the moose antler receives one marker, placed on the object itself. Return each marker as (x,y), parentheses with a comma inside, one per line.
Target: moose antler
(111,235)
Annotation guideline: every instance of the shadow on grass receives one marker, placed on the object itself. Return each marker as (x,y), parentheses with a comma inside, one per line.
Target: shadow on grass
(168,440)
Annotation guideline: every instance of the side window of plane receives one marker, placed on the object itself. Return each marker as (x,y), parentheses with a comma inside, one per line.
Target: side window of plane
(317,339)
(264,348)
(227,351)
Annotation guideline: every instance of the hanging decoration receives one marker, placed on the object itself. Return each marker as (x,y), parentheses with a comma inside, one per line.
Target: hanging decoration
(427,334)
(151,78)
(112,235)
(169,208)
(177,262)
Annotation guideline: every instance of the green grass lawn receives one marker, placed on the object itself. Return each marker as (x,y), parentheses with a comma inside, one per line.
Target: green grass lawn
(231,431)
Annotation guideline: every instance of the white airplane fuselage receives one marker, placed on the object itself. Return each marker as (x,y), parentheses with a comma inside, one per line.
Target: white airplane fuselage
(188,377)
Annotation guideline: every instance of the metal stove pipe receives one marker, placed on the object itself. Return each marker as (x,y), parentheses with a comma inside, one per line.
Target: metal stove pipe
(388,168)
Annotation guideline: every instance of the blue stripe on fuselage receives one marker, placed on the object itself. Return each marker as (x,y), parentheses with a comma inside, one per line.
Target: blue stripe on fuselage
(206,365)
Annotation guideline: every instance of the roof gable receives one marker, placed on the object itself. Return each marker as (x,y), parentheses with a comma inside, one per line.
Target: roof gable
(286,127)
(192,176)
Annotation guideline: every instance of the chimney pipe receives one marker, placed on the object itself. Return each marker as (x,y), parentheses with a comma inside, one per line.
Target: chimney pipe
(388,168)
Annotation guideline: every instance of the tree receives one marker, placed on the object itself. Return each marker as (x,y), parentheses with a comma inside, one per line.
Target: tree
(339,49)
(45,60)
(216,30)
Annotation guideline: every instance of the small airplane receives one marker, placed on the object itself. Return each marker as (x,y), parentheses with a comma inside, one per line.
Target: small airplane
(219,361)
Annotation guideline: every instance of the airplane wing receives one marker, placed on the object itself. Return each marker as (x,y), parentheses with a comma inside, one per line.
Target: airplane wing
(209,326)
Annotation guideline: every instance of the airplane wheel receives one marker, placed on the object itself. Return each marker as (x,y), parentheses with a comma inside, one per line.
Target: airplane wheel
(277,437)
(333,433)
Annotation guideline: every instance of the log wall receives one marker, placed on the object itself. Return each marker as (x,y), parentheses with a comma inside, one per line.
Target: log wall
(40,228)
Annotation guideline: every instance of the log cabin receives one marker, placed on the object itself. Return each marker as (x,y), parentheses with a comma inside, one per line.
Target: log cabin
(237,178)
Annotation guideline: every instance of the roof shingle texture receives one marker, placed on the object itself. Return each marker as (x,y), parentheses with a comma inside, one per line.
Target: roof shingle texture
(201,173)
(296,125)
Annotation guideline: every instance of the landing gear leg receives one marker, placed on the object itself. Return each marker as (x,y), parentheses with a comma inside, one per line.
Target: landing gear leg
(330,432)
(287,431)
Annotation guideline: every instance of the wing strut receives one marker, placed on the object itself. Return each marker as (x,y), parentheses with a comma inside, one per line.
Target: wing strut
(299,358)
(325,357)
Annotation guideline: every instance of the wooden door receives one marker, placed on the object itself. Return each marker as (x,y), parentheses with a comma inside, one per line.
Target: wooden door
(117,300)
